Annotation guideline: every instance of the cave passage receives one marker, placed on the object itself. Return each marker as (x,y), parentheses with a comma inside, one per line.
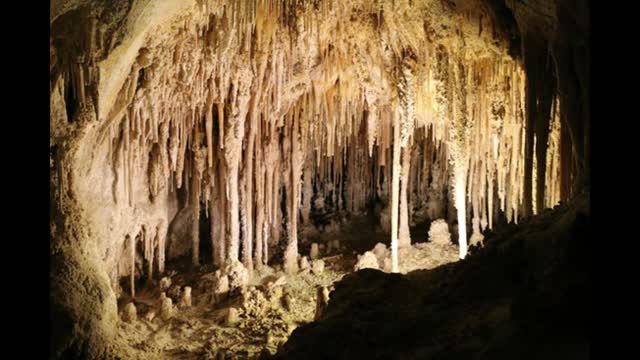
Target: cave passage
(217,167)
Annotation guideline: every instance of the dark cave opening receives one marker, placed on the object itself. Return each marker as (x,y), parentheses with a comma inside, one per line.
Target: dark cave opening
(206,242)
(70,97)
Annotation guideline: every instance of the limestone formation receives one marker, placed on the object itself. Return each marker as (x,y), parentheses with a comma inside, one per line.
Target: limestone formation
(476,239)
(220,286)
(232,316)
(317,266)
(238,275)
(368,260)
(386,264)
(165,283)
(439,232)
(129,313)
(166,308)
(185,298)
(315,252)
(304,263)
(381,252)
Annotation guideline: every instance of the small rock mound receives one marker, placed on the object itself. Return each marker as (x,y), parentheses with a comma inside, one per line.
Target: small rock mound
(439,232)
(304,263)
(367,261)
(317,266)
(315,251)
(166,308)
(381,252)
(185,299)
(129,313)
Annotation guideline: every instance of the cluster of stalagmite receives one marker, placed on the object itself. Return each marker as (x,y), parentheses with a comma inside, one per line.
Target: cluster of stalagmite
(258,110)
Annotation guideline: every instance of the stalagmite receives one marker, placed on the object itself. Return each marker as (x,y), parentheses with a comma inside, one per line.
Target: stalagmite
(129,313)
(166,308)
(315,252)
(304,263)
(439,232)
(317,266)
(185,298)
(368,260)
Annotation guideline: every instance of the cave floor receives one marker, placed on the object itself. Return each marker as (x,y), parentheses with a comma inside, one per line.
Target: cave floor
(264,320)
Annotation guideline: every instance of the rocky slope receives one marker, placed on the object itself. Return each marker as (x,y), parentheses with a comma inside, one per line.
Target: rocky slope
(525,295)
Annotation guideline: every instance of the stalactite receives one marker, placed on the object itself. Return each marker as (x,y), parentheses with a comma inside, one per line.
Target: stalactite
(150,243)
(209,124)
(220,107)
(323,126)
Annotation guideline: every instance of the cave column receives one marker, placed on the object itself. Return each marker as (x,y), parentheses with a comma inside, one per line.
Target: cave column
(233,136)
(395,192)
(407,97)
(247,196)
(297,159)
(404,236)
(260,208)
(458,152)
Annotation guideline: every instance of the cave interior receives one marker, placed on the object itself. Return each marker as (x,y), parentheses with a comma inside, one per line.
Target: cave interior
(319,179)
